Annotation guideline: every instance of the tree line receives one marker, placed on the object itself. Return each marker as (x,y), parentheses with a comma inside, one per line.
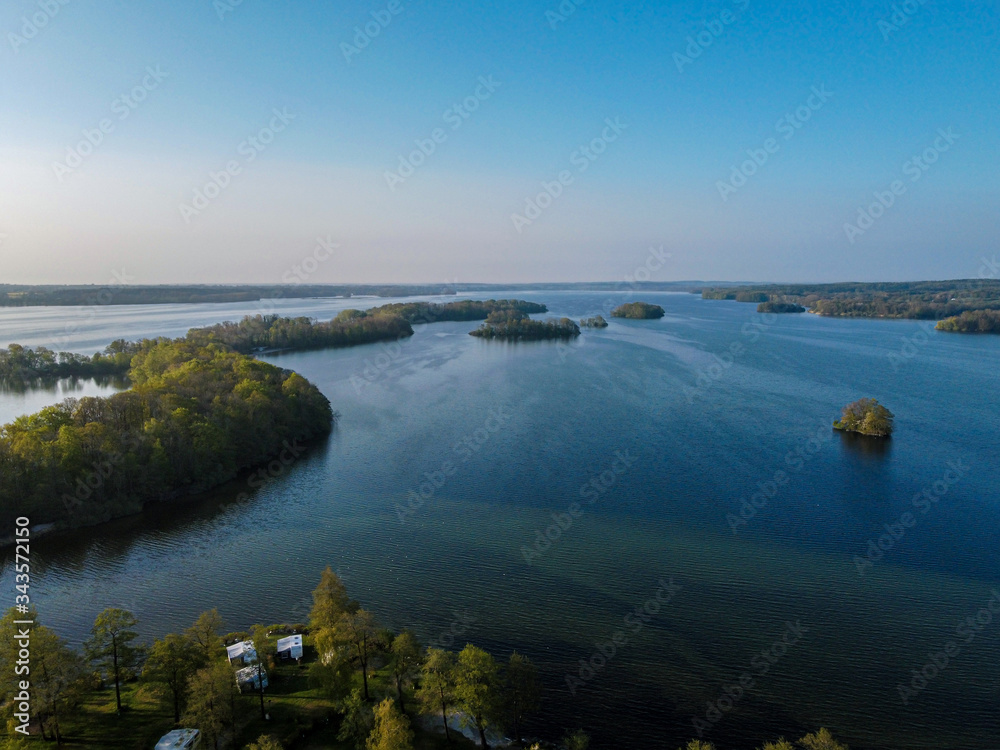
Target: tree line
(24,364)
(923,300)
(254,333)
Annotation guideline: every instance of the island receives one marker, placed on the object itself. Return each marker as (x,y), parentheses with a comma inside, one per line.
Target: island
(780,307)
(597,321)
(867,417)
(514,325)
(972,321)
(638,311)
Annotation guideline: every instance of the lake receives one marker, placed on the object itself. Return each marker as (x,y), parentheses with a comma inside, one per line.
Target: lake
(651,513)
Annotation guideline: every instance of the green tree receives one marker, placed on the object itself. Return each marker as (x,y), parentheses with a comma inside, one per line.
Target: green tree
(391,730)
(404,661)
(204,634)
(15,740)
(56,677)
(112,646)
(578,740)
(698,745)
(437,684)
(821,740)
(357,722)
(355,637)
(780,744)
(521,694)
(169,666)
(866,416)
(330,601)
(266,742)
(210,702)
(478,690)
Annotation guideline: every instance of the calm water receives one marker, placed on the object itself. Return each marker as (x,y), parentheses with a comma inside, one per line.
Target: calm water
(695,454)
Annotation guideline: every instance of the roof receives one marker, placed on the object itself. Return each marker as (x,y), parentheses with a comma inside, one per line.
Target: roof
(289,642)
(178,739)
(243,649)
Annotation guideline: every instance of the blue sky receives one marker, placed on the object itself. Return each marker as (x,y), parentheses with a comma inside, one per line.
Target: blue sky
(556,73)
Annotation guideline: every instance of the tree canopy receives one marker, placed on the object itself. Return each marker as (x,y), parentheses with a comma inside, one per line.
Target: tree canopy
(638,311)
(866,416)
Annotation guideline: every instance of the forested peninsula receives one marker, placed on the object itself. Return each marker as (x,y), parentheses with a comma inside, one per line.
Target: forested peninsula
(195,417)
(969,304)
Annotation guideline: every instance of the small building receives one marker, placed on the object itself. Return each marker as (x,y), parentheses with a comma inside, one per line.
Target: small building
(180,739)
(242,653)
(290,647)
(249,678)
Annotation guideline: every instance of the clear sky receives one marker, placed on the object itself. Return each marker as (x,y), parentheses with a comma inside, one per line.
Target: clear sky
(719,148)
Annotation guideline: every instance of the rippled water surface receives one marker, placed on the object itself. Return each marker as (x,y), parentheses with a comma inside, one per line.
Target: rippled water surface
(716,410)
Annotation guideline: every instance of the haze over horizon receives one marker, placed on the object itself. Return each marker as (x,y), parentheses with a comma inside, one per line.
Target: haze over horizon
(235,139)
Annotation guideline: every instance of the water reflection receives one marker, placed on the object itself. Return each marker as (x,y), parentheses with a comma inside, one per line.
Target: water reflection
(61,386)
(865,445)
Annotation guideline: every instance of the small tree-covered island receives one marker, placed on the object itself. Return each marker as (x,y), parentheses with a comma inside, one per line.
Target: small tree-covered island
(514,325)
(867,417)
(597,321)
(638,311)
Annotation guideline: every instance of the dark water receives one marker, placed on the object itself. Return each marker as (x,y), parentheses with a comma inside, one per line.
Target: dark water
(709,406)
